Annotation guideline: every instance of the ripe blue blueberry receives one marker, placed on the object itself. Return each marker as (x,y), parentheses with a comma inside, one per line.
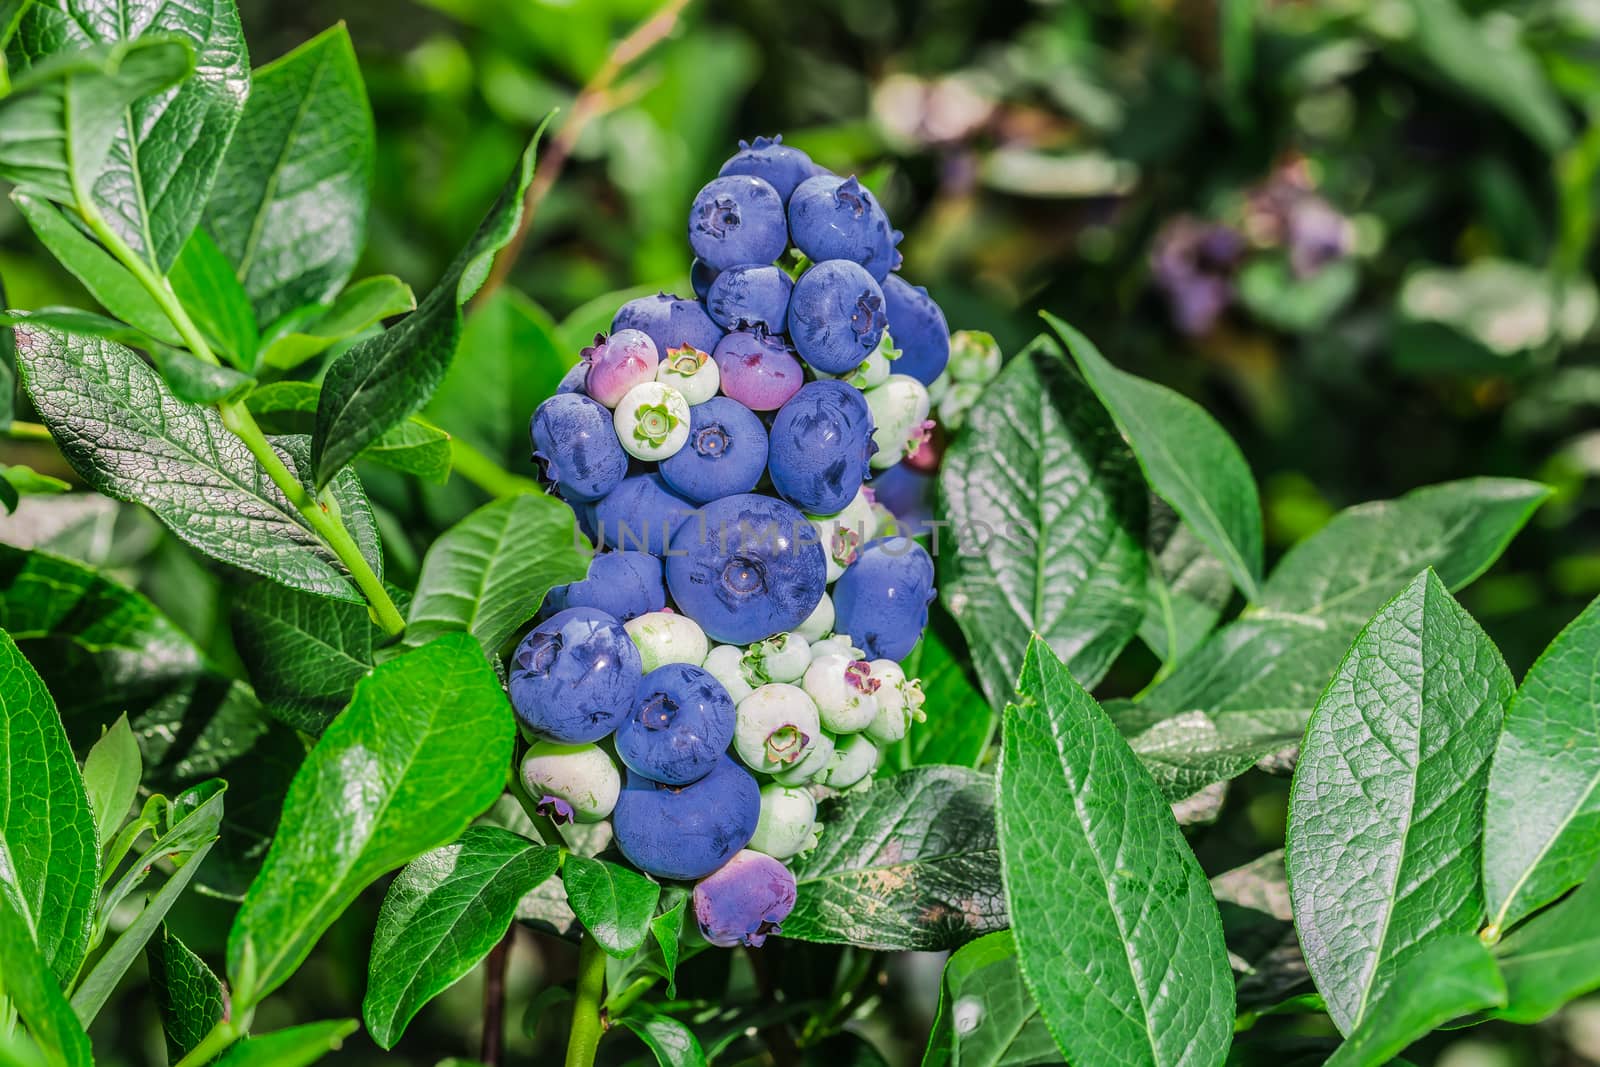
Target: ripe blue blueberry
(623,584)
(574,676)
(642,514)
(576,378)
(726,452)
(686,832)
(745,901)
(908,494)
(670,321)
(737,219)
(575,439)
(820,446)
(680,726)
(746,567)
(750,296)
(882,598)
(918,328)
(701,275)
(836,316)
(771,160)
(758,370)
(839,218)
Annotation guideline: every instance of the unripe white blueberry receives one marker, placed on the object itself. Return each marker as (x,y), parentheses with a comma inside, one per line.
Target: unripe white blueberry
(724,663)
(900,409)
(776,724)
(842,690)
(841,535)
(788,823)
(853,760)
(875,369)
(808,766)
(974,356)
(652,421)
(899,702)
(780,658)
(819,623)
(667,637)
(835,645)
(690,371)
(571,783)
(957,402)
(940,386)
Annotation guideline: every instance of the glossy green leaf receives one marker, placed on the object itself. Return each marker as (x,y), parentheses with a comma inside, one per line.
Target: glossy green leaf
(188,995)
(78,321)
(424,746)
(667,931)
(1554,957)
(1046,511)
(191,822)
(488,574)
(49,852)
(129,437)
(672,1043)
(359,307)
(614,903)
(413,447)
(1190,460)
(298,1046)
(195,381)
(663,950)
(959,722)
(1186,589)
(204,281)
(35,992)
(168,147)
(111,773)
(909,863)
(290,207)
(384,379)
(987,1017)
(1386,813)
(1542,822)
(1117,932)
(443,914)
(1447,978)
(304,654)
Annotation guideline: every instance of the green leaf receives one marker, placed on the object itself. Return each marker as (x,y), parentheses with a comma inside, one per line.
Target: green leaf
(987,1017)
(1189,459)
(108,281)
(1117,932)
(8,358)
(910,863)
(126,434)
(21,481)
(188,996)
(959,719)
(1186,589)
(1046,511)
(77,321)
(204,282)
(672,1043)
(384,379)
(297,1046)
(1448,977)
(1542,820)
(615,904)
(290,207)
(194,819)
(49,852)
(424,746)
(111,773)
(412,446)
(443,914)
(34,989)
(667,930)
(488,574)
(304,654)
(10,15)
(360,307)
(1554,957)
(195,381)
(1386,812)
(168,147)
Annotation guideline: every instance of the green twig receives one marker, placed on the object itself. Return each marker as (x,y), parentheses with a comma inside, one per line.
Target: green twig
(621,1001)
(586,1026)
(225,1033)
(486,474)
(28,431)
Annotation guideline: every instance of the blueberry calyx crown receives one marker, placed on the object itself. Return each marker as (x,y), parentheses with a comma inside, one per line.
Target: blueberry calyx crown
(719,216)
(787,743)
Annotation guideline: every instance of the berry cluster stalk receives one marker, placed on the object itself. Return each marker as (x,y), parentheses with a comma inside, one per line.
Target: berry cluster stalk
(586,1026)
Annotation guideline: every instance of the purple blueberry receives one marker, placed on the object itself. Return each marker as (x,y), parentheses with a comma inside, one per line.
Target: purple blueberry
(574,438)
(618,363)
(918,328)
(819,446)
(745,901)
(680,725)
(701,275)
(737,219)
(839,218)
(686,832)
(726,452)
(750,295)
(670,321)
(746,567)
(623,584)
(573,381)
(882,598)
(836,316)
(574,676)
(758,370)
(641,514)
(907,493)
(771,160)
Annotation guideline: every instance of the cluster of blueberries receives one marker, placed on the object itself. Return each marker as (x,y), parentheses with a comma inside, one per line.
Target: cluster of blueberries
(718,452)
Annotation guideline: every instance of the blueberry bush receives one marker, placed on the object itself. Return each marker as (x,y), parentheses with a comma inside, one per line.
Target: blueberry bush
(788,666)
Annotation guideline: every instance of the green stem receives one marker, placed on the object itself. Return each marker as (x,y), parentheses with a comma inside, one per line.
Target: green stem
(237,418)
(486,474)
(221,1036)
(620,1002)
(586,1028)
(28,431)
